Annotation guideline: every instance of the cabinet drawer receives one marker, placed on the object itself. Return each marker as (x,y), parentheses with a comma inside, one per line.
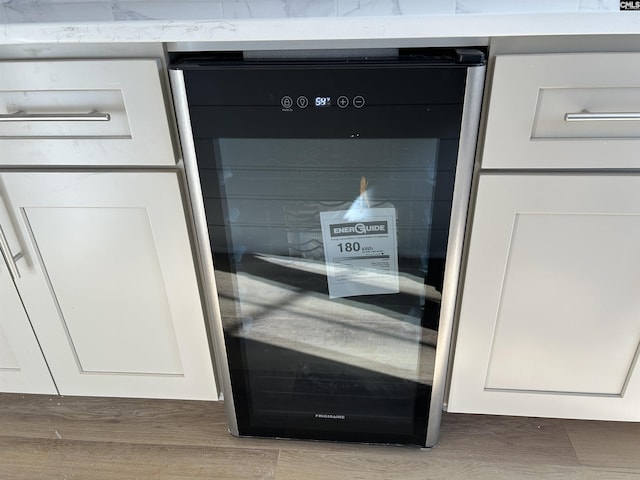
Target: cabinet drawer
(564,111)
(83,112)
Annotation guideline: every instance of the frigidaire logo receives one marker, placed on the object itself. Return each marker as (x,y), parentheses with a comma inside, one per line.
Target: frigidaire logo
(330,416)
(359,228)
(629,5)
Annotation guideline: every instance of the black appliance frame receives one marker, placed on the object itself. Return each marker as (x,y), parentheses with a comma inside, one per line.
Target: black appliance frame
(220,98)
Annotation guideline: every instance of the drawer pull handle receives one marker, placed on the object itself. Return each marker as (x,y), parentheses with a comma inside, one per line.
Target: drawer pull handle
(21,116)
(9,258)
(586,116)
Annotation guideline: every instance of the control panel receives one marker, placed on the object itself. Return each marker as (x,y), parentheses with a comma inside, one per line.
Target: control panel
(292,102)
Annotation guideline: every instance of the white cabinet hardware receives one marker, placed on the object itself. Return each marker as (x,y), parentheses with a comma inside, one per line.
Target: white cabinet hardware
(21,116)
(586,116)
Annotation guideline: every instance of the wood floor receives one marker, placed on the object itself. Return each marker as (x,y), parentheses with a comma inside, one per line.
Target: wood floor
(43,437)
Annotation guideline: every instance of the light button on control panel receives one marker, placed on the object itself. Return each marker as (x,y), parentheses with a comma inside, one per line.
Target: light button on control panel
(302,101)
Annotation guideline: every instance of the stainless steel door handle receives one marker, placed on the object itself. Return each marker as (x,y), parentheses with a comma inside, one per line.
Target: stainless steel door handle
(21,116)
(587,116)
(10,259)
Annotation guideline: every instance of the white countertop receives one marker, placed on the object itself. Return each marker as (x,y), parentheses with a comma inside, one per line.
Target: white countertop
(306,23)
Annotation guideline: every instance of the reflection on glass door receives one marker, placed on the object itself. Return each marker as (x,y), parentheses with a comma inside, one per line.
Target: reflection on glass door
(328,257)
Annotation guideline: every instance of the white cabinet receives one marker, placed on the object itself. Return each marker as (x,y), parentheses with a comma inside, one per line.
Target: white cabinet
(108,281)
(564,111)
(22,366)
(83,112)
(99,294)
(549,317)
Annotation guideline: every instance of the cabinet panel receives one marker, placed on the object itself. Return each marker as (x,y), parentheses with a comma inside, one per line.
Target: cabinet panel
(564,298)
(109,283)
(8,359)
(531,95)
(102,264)
(83,112)
(22,366)
(548,321)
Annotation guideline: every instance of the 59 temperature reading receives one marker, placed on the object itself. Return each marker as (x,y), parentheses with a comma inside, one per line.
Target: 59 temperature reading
(323,101)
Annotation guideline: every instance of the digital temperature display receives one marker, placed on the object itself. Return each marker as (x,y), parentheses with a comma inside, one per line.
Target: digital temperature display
(323,101)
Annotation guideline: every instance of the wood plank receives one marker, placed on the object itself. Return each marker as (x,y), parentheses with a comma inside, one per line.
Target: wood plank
(503,439)
(40,459)
(606,444)
(114,419)
(416,465)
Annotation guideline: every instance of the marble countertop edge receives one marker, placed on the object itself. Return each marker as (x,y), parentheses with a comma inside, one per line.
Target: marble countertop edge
(345,29)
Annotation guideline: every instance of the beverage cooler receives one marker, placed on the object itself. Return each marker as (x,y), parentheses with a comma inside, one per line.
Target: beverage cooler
(330,194)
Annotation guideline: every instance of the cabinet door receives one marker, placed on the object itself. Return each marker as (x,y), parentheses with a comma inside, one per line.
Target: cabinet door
(549,321)
(22,367)
(108,280)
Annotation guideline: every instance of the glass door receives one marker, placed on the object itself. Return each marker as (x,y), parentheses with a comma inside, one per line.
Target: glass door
(322,252)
